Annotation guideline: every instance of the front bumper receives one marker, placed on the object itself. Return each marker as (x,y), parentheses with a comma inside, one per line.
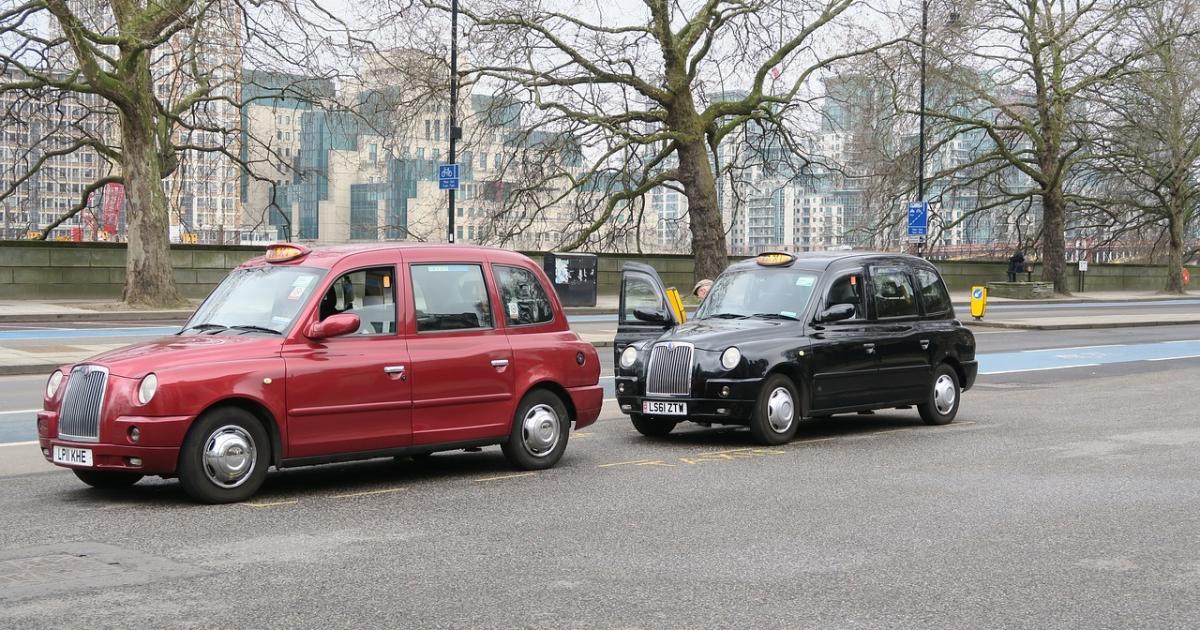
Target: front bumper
(157,447)
(710,406)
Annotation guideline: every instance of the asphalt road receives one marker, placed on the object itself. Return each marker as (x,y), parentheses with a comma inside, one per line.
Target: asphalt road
(1060,499)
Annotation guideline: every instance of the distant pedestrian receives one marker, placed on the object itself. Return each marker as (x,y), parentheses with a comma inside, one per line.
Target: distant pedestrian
(1016,265)
(701,289)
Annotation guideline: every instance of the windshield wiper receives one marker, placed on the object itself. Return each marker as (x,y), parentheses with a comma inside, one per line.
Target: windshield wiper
(204,327)
(256,329)
(726,316)
(775,316)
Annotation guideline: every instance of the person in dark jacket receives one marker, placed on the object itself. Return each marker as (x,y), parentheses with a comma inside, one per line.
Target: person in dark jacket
(1016,265)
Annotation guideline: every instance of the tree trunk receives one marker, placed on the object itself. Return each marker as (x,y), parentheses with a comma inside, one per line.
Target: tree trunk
(709,249)
(1054,244)
(149,276)
(1175,256)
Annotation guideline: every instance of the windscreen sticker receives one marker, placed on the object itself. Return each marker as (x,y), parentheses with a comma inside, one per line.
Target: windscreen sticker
(296,294)
(804,281)
(282,321)
(513,311)
(302,282)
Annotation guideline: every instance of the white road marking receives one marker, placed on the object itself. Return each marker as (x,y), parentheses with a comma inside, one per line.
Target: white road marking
(1113,345)
(1042,369)
(1183,341)
(10,413)
(1185,356)
(18,444)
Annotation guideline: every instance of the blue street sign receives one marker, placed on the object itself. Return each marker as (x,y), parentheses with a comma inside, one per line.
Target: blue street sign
(448,177)
(918,219)
(977,294)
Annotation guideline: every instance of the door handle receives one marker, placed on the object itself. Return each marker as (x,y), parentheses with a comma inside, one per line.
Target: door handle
(924,344)
(499,363)
(396,369)
(870,347)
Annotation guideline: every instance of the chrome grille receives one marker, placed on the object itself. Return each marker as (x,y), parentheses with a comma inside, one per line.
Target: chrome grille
(79,416)
(670,370)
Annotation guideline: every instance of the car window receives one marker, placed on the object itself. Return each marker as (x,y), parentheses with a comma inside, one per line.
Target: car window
(848,289)
(522,296)
(933,292)
(368,293)
(640,293)
(450,297)
(893,292)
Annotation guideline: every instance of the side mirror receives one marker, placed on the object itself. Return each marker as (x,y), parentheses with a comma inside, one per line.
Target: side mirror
(836,313)
(334,326)
(654,317)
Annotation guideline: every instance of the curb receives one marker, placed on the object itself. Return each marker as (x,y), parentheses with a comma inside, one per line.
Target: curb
(1073,300)
(1084,326)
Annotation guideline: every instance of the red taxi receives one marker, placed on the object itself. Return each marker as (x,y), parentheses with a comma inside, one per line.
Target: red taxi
(332,354)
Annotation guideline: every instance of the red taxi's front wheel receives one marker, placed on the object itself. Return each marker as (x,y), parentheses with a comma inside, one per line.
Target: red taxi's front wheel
(225,456)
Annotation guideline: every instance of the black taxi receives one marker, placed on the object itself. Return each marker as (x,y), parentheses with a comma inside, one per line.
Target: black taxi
(782,337)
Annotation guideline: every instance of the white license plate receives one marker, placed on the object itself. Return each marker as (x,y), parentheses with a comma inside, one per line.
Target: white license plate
(664,408)
(72,456)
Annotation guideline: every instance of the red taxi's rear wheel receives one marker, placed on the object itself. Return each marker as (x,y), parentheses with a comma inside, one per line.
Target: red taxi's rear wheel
(107,478)
(225,456)
(539,432)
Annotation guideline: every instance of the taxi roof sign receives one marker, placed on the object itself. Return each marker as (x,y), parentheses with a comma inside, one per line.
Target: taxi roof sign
(283,252)
(775,259)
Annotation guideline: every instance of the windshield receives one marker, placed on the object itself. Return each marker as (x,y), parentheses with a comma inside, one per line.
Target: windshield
(766,293)
(256,300)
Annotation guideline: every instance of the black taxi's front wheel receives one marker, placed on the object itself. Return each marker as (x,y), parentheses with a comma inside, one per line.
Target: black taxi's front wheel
(652,427)
(777,411)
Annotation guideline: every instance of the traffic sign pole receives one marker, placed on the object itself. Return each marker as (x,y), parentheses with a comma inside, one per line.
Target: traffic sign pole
(453,111)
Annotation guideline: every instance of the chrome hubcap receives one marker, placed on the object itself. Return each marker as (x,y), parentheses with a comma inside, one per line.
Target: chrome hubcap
(540,430)
(229,456)
(781,412)
(944,394)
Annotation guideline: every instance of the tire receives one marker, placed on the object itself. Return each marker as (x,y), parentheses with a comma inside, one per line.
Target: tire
(777,411)
(107,479)
(240,455)
(941,403)
(539,432)
(652,427)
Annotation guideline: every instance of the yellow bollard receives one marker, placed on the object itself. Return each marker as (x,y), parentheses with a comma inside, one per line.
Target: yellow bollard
(978,302)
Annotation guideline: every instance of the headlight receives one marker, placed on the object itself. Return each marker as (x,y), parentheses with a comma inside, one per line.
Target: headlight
(628,357)
(730,358)
(53,383)
(146,389)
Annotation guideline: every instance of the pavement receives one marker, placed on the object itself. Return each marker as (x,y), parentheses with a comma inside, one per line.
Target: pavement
(1058,499)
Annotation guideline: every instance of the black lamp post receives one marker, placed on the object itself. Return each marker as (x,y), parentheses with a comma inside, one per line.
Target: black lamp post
(455,132)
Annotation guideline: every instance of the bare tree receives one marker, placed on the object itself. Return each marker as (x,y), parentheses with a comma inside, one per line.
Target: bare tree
(1152,145)
(649,93)
(169,74)
(1024,71)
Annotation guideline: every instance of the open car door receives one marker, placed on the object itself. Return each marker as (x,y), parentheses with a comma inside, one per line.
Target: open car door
(648,309)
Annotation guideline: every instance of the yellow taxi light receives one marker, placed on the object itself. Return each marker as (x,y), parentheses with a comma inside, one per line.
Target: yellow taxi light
(775,259)
(285,252)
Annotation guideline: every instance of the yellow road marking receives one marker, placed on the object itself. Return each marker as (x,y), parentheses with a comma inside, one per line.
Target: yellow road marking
(636,461)
(499,477)
(803,442)
(366,493)
(267,504)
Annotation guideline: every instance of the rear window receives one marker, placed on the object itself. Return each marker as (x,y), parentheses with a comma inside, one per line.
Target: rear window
(523,297)
(450,297)
(933,292)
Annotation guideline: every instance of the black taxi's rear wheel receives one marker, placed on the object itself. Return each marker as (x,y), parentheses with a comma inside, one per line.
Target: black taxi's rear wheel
(224,457)
(539,432)
(941,404)
(777,411)
(107,478)
(652,427)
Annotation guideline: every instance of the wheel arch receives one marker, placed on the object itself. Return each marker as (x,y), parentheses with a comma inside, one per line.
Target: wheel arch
(796,375)
(260,412)
(556,389)
(957,367)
